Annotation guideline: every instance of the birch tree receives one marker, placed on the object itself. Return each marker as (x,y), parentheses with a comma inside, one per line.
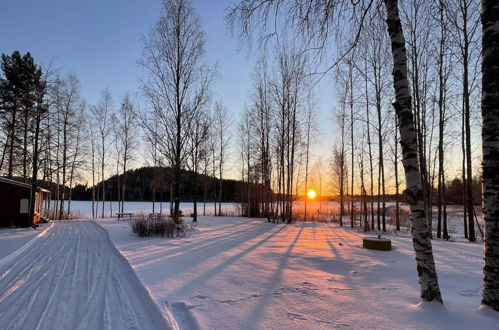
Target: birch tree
(126,126)
(490,150)
(91,135)
(67,110)
(262,110)
(198,146)
(465,21)
(221,132)
(414,191)
(177,82)
(102,116)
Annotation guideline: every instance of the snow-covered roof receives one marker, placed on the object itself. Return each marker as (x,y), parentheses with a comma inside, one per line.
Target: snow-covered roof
(14,182)
(20,184)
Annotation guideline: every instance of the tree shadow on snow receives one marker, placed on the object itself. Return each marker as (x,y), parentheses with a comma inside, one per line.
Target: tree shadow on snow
(252,319)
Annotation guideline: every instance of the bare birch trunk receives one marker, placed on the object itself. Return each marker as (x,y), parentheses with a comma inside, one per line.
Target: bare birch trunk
(463,166)
(427,274)
(371,176)
(396,170)
(351,145)
(490,149)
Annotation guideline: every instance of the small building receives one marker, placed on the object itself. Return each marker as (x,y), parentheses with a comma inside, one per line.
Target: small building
(15,201)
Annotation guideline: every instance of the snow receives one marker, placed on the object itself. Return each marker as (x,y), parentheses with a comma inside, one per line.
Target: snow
(72,277)
(239,273)
(230,273)
(12,239)
(83,209)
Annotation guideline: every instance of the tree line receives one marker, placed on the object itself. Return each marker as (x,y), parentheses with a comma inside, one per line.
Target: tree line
(153,184)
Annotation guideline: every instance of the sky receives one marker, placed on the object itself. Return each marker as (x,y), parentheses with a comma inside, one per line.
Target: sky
(101,42)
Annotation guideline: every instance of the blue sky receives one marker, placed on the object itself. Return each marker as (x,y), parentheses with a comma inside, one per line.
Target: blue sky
(100,41)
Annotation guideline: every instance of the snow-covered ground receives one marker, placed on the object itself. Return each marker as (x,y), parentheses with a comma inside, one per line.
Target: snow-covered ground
(72,277)
(12,239)
(238,273)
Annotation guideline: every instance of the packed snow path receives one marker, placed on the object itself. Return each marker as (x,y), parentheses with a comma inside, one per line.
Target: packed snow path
(72,277)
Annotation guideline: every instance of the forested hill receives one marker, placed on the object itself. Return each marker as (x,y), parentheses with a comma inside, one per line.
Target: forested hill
(141,183)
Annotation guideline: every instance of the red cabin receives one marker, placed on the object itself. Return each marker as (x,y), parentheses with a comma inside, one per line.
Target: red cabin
(15,201)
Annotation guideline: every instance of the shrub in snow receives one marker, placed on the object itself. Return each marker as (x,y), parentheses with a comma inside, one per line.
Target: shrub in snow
(177,218)
(162,226)
(140,227)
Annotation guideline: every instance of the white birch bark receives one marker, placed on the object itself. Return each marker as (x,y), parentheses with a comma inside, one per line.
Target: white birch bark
(427,274)
(490,150)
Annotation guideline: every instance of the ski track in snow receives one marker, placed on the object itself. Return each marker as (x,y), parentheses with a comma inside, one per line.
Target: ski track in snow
(74,278)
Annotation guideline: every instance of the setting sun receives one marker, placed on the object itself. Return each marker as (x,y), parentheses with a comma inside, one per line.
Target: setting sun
(311,194)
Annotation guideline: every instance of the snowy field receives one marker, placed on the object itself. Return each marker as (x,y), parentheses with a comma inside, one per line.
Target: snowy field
(239,273)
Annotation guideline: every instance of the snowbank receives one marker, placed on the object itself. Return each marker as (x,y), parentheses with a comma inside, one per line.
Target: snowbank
(12,239)
(238,273)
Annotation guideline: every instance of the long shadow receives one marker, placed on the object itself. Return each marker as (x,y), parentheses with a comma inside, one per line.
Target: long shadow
(381,257)
(203,278)
(190,259)
(253,317)
(336,232)
(167,242)
(334,250)
(180,245)
(181,249)
(194,242)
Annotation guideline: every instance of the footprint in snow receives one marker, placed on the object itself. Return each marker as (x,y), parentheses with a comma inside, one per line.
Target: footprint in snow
(470,292)
(278,292)
(182,314)
(387,289)
(342,325)
(294,316)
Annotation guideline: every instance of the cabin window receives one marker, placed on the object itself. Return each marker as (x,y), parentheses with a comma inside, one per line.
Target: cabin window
(24,206)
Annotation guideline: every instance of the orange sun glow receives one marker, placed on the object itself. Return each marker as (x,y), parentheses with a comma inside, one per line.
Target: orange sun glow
(311,194)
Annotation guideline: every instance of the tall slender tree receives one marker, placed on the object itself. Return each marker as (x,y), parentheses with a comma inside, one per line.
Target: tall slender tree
(178,81)
(465,19)
(428,279)
(102,114)
(18,86)
(222,135)
(490,150)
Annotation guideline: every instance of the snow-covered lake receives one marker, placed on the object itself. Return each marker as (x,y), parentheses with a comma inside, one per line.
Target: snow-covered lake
(83,209)
(325,211)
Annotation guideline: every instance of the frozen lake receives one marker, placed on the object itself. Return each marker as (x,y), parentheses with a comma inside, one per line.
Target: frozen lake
(316,211)
(83,209)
